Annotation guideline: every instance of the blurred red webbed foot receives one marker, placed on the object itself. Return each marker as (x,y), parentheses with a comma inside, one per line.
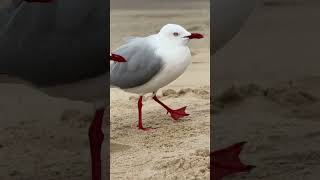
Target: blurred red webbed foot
(227,162)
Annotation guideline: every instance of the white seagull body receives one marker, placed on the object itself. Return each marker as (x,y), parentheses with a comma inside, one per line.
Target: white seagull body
(173,61)
(152,63)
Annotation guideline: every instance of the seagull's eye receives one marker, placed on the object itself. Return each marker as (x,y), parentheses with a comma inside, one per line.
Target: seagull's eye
(176,34)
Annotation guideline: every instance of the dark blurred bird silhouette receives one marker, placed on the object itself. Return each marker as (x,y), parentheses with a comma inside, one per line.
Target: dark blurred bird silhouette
(60,48)
(228,17)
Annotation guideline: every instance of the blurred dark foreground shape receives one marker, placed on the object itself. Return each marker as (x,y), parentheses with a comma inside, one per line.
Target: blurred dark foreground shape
(60,48)
(228,17)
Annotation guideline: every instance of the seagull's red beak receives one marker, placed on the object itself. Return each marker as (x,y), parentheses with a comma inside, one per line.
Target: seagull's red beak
(117,58)
(194,36)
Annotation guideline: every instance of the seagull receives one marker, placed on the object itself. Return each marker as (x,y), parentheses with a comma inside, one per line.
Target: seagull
(152,63)
(54,46)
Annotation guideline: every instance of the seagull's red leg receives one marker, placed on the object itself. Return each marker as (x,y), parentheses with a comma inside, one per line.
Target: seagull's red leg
(96,139)
(226,162)
(140,115)
(175,114)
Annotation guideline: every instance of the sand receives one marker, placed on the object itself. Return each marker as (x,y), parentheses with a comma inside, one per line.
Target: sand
(267,92)
(42,137)
(172,150)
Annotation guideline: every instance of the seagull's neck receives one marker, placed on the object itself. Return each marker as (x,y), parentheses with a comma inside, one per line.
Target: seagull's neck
(170,51)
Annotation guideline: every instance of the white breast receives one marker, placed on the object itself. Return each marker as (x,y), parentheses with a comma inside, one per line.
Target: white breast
(176,61)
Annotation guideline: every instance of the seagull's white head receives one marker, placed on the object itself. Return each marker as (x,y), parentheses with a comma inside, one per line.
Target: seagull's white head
(177,34)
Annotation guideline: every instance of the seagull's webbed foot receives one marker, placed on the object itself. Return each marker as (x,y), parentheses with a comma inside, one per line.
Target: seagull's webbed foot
(226,162)
(144,128)
(178,113)
(175,113)
(96,138)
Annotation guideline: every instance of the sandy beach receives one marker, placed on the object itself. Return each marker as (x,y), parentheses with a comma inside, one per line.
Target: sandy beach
(172,150)
(266,91)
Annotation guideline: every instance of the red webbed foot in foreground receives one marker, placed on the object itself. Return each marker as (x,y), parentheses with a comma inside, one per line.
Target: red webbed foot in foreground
(175,114)
(96,138)
(227,162)
(117,58)
(178,113)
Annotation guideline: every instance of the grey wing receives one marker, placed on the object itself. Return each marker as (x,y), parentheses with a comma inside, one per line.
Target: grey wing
(141,66)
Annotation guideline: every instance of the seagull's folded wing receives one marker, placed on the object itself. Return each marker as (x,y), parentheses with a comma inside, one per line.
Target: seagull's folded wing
(141,66)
